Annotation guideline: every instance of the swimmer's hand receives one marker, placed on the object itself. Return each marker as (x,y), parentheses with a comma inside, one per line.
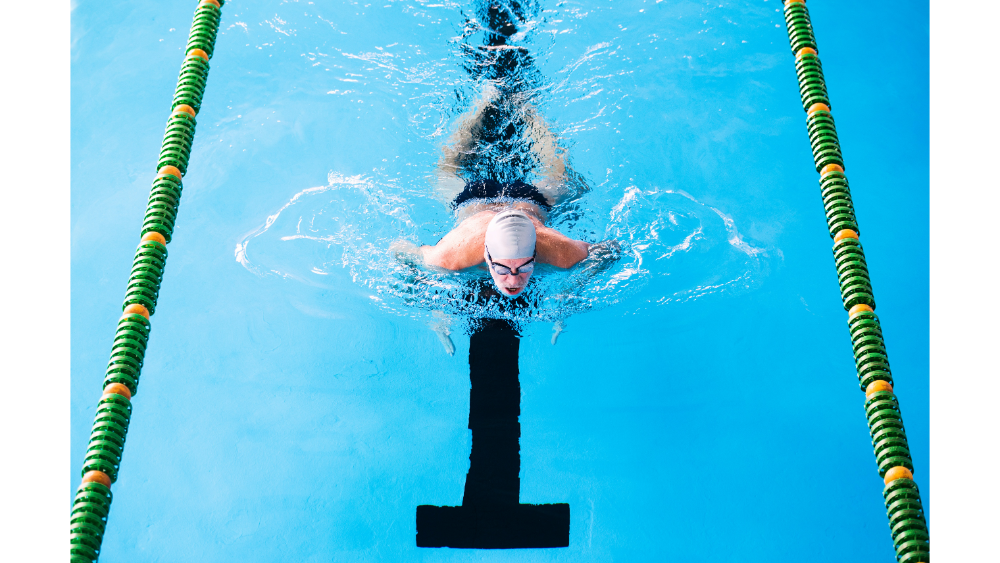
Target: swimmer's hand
(600,256)
(442,327)
(407,253)
(558,328)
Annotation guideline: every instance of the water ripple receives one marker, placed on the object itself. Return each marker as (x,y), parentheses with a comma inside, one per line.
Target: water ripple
(672,247)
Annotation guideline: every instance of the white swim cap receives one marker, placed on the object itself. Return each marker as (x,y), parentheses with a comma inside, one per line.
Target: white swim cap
(510,234)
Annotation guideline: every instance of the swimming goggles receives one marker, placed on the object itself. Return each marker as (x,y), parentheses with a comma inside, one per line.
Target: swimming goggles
(502,270)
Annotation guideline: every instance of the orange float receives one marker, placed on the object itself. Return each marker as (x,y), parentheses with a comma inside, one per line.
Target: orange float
(846,233)
(97,477)
(153,235)
(818,107)
(858,309)
(184,108)
(118,389)
(876,386)
(171,171)
(198,53)
(830,169)
(898,472)
(137,309)
(805,51)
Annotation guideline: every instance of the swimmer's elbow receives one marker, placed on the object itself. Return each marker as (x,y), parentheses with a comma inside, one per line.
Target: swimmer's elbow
(573,256)
(448,257)
(565,263)
(580,252)
(432,256)
(449,264)
(446,261)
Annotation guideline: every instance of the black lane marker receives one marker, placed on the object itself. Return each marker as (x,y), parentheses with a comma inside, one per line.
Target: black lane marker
(490,516)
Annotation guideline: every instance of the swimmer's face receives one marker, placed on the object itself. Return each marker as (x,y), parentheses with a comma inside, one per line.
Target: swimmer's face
(510,284)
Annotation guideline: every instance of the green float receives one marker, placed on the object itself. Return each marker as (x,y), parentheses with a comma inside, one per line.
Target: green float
(907,523)
(92,504)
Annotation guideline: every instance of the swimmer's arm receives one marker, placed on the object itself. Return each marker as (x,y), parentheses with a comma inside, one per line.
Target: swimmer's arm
(461,248)
(553,247)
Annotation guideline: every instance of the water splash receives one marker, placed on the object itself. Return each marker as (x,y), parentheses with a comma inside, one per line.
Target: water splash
(671,246)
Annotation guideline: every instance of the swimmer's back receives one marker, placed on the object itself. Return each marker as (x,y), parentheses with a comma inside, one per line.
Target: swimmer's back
(491,195)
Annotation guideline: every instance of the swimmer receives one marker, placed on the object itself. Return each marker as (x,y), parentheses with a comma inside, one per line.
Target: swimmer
(501,142)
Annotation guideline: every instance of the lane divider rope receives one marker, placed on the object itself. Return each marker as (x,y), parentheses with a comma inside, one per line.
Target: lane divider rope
(907,522)
(92,504)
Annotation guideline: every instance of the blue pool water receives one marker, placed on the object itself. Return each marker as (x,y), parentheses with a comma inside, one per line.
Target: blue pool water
(695,401)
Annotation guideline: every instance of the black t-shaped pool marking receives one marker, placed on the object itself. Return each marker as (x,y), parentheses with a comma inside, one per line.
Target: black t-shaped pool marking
(490,516)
